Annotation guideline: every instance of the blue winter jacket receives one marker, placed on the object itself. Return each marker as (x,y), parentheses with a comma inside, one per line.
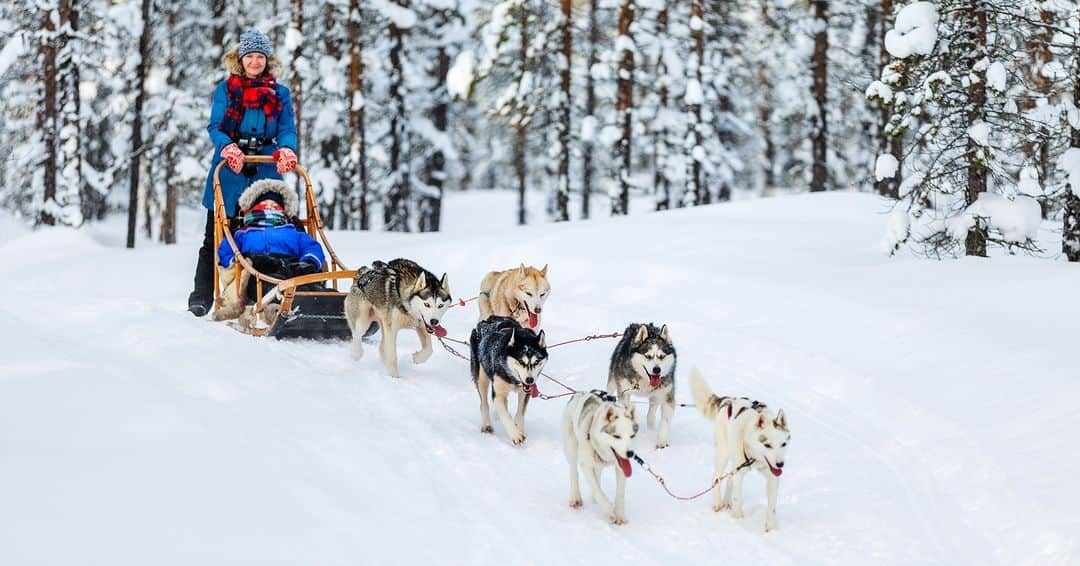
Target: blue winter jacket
(280,240)
(254,123)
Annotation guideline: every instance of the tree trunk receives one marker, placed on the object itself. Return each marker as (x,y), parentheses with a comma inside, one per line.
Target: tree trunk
(296,87)
(893,145)
(71,134)
(590,109)
(431,207)
(820,65)
(697,59)
(217,35)
(357,128)
(168,216)
(975,243)
(660,146)
(396,211)
(136,124)
(1070,238)
(47,119)
(624,109)
(562,199)
(519,125)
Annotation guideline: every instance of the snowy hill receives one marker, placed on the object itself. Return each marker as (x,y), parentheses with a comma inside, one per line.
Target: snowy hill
(931,403)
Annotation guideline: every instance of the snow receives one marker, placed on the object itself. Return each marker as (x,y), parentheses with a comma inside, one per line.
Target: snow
(928,402)
(1029,181)
(996,76)
(402,17)
(459,77)
(915,32)
(1017,220)
(694,94)
(1069,162)
(897,229)
(12,50)
(979,132)
(588,128)
(880,91)
(885,167)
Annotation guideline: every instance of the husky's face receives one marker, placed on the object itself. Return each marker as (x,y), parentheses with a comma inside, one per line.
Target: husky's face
(429,301)
(653,355)
(531,291)
(526,355)
(615,437)
(768,440)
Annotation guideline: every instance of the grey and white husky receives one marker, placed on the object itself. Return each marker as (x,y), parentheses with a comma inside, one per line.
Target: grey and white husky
(643,364)
(746,431)
(599,432)
(396,295)
(506,357)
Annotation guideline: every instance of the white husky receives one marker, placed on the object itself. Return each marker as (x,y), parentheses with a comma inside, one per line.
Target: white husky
(745,431)
(598,432)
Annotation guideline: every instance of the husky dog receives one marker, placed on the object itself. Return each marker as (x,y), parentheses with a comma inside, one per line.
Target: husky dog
(506,357)
(396,295)
(643,364)
(598,432)
(519,293)
(746,431)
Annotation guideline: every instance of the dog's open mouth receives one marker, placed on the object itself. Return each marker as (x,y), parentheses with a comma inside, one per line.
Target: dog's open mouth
(534,316)
(775,471)
(624,464)
(437,330)
(654,380)
(532,390)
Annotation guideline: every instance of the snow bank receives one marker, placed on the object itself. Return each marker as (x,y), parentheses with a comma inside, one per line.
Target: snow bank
(915,31)
(1016,220)
(459,78)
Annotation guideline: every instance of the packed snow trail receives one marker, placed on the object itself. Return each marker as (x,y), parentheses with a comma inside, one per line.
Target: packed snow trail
(929,402)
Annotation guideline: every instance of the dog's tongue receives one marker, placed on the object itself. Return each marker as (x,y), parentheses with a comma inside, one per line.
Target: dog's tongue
(654,380)
(624,464)
(775,471)
(439,331)
(534,319)
(534,391)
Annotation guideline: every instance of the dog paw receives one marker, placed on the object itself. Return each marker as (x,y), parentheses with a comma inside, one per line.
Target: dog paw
(770,525)
(718,507)
(575,503)
(486,429)
(660,445)
(736,513)
(517,438)
(357,353)
(421,356)
(617,519)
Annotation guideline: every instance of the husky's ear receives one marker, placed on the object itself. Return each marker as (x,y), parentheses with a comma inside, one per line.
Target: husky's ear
(664,334)
(541,339)
(642,334)
(421,282)
(630,412)
(444,284)
(760,420)
(510,344)
(521,270)
(780,421)
(543,272)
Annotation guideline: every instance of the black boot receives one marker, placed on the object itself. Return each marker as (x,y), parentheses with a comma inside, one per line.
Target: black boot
(201,299)
(198,304)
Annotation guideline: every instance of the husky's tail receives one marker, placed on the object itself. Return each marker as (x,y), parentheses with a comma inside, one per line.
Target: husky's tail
(706,401)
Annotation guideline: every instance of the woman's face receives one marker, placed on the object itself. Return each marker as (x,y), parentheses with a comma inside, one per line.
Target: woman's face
(253,63)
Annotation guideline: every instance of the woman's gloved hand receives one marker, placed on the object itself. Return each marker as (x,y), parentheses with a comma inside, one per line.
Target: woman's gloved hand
(233,157)
(286,160)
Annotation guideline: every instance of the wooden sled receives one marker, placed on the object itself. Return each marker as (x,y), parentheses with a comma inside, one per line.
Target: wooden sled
(302,313)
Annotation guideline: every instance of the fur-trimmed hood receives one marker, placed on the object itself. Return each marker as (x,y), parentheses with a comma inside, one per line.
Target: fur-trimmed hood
(231,61)
(251,195)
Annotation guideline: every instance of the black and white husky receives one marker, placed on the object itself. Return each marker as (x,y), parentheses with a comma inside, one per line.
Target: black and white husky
(747,435)
(599,432)
(643,364)
(506,357)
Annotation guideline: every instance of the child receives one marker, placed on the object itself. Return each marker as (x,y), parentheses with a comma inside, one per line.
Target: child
(272,245)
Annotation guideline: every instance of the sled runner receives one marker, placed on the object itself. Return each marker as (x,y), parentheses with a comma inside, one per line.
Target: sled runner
(308,308)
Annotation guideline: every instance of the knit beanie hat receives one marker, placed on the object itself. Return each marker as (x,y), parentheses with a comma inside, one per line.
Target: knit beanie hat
(254,41)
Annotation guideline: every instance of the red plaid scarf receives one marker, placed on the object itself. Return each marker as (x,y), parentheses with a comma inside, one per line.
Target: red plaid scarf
(244,93)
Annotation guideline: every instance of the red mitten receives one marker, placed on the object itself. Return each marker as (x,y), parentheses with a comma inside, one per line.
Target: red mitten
(233,157)
(286,160)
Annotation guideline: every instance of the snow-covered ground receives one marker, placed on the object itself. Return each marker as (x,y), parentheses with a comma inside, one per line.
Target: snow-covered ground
(931,403)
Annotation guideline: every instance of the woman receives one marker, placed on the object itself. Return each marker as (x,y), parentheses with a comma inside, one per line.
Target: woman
(251,115)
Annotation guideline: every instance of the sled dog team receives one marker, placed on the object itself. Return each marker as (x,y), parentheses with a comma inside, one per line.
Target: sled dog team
(508,351)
